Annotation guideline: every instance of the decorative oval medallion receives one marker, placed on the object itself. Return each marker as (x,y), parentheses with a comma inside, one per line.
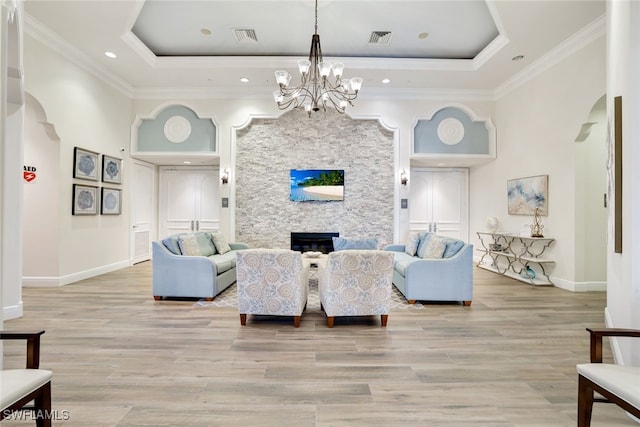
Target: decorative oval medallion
(450,131)
(177,129)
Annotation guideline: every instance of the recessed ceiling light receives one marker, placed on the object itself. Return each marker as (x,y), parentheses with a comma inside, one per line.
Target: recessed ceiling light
(110,54)
(205,31)
(423,36)
(244,80)
(186,162)
(385,81)
(517,58)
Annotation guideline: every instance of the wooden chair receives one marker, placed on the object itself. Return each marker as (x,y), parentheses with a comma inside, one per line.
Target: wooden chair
(20,386)
(616,383)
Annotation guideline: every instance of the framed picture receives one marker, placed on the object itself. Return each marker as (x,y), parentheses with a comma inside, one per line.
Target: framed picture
(524,195)
(111,169)
(85,164)
(85,200)
(110,204)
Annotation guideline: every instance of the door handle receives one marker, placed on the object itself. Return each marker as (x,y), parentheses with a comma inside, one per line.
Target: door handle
(191,227)
(198,225)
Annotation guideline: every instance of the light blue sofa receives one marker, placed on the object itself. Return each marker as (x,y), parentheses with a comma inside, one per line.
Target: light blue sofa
(443,279)
(187,276)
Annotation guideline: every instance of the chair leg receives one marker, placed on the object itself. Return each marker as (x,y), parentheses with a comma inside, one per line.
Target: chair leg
(42,406)
(243,319)
(411,301)
(585,402)
(157,298)
(296,321)
(383,319)
(330,320)
(466,303)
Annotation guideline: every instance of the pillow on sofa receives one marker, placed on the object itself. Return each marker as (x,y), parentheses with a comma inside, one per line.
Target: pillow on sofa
(434,248)
(205,241)
(453,246)
(221,243)
(424,240)
(340,244)
(189,245)
(412,243)
(171,243)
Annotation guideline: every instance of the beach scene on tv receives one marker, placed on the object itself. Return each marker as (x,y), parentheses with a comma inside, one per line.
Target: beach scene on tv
(321,185)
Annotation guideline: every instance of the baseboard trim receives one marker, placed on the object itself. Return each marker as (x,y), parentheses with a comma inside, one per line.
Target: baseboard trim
(579,286)
(567,285)
(12,312)
(47,282)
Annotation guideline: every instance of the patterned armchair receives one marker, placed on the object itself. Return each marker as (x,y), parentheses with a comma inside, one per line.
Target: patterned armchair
(356,283)
(271,282)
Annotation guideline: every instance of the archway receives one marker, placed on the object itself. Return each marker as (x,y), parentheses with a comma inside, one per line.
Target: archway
(591,189)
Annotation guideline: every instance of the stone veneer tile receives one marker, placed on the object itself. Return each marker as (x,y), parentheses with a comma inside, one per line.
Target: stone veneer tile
(268,148)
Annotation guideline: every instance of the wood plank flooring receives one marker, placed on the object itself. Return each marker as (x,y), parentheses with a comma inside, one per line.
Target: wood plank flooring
(122,359)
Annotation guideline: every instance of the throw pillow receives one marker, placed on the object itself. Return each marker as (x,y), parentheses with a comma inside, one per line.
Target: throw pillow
(220,242)
(205,241)
(412,243)
(435,248)
(189,245)
(171,243)
(424,241)
(453,246)
(340,244)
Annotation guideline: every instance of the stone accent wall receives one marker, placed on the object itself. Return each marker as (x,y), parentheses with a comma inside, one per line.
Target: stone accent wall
(268,149)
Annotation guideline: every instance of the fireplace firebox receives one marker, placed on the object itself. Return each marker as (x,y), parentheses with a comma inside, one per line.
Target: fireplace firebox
(319,242)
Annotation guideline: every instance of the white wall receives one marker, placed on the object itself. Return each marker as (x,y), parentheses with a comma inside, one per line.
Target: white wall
(537,124)
(90,114)
(40,264)
(623,270)
(11,165)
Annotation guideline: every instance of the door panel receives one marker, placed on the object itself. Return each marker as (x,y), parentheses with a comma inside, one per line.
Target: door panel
(439,202)
(208,205)
(179,192)
(189,200)
(142,210)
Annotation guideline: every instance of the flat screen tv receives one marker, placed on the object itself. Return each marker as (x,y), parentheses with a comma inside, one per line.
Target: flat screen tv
(317,185)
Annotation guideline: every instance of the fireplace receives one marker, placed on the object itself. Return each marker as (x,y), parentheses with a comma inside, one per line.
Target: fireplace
(319,242)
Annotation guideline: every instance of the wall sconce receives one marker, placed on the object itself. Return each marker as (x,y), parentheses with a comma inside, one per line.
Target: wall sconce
(225,176)
(403,178)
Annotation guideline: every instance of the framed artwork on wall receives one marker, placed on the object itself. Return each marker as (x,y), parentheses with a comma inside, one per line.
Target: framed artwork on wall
(111,169)
(85,200)
(524,195)
(85,164)
(110,201)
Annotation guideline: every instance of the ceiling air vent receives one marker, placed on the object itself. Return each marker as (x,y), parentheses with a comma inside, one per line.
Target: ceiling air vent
(380,38)
(245,35)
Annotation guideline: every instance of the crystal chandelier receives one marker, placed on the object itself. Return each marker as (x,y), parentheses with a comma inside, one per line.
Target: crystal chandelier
(316,90)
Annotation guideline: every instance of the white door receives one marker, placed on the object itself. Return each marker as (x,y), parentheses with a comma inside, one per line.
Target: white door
(189,200)
(439,200)
(142,208)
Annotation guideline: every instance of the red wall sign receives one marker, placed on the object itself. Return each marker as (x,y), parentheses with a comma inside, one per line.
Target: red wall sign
(29,173)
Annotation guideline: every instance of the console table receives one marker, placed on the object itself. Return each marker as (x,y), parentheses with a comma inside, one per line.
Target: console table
(518,257)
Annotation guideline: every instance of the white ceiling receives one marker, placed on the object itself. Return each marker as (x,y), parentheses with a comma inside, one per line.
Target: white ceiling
(486,35)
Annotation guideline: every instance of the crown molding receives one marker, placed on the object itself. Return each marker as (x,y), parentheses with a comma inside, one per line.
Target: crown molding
(267,93)
(573,44)
(44,35)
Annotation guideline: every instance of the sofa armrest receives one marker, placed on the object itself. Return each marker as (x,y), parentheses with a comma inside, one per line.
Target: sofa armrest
(238,246)
(33,345)
(395,248)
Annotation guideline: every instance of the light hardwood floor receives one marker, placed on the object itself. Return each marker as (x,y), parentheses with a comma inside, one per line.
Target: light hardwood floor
(122,359)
